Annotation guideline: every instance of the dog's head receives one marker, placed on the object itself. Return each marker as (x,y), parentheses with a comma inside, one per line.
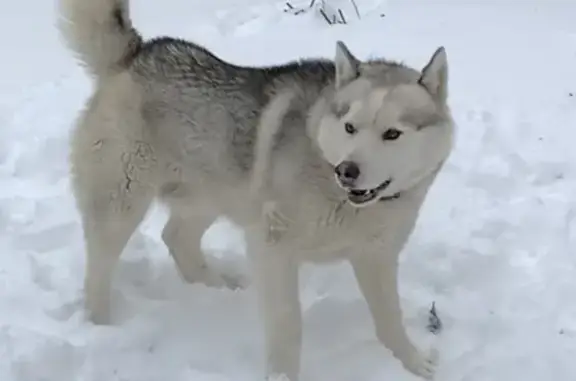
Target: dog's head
(387,127)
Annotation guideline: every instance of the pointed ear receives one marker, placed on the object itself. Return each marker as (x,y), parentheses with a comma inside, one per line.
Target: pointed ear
(435,75)
(347,65)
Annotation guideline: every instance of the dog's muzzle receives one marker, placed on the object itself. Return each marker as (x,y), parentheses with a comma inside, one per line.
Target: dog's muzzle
(363,196)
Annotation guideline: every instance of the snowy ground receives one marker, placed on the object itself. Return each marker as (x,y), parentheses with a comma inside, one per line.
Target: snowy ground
(494,246)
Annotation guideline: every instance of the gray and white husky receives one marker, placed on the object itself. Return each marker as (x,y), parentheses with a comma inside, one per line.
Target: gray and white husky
(318,160)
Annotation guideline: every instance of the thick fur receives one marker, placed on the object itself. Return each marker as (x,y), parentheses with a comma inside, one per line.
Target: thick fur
(100,33)
(170,120)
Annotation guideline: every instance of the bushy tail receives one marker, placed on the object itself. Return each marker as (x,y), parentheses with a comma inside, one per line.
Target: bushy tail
(100,33)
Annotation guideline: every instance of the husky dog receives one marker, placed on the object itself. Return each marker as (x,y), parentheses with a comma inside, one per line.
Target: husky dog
(318,160)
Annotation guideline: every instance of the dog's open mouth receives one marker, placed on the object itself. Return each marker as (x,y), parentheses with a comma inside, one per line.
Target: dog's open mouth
(362,196)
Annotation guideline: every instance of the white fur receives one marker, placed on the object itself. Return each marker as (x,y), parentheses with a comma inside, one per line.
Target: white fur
(120,163)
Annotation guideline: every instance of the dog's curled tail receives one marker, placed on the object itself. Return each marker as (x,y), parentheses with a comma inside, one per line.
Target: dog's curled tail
(100,33)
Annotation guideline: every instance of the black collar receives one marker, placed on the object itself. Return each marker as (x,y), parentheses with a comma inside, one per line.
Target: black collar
(395,196)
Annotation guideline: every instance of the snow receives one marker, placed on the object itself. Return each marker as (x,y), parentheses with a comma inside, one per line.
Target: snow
(494,246)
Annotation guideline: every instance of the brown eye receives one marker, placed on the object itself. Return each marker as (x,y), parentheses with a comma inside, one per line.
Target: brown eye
(391,134)
(350,129)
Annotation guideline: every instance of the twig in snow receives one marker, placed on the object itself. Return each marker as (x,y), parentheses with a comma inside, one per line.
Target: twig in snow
(335,17)
(325,16)
(434,322)
(341,16)
(297,11)
(355,8)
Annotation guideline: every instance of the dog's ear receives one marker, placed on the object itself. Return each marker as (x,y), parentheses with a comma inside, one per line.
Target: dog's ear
(347,66)
(435,75)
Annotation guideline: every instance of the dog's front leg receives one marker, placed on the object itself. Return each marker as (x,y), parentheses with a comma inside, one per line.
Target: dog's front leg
(276,280)
(378,280)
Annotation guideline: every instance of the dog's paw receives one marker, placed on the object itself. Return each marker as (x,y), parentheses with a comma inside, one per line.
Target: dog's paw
(234,281)
(221,278)
(214,275)
(422,365)
(277,377)
(97,317)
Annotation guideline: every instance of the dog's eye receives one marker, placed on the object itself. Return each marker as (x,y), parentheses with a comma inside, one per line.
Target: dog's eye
(349,127)
(391,134)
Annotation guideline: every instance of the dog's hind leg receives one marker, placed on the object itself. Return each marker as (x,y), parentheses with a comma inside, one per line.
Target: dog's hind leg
(182,235)
(107,230)
(111,181)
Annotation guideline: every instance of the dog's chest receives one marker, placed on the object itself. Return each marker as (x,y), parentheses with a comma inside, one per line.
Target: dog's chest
(339,231)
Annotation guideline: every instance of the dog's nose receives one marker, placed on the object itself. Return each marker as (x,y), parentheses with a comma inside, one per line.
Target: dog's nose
(347,172)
